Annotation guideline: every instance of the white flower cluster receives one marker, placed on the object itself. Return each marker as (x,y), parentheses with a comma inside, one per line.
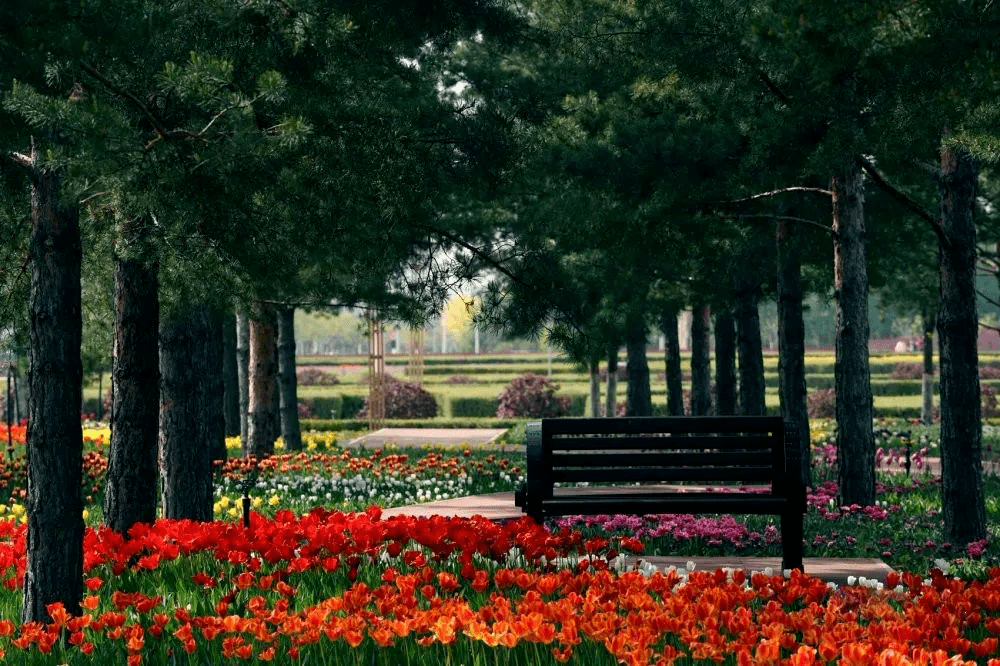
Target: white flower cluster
(301,491)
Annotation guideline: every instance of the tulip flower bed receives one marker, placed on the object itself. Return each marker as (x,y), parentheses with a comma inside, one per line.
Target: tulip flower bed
(320,579)
(354,480)
(335,588)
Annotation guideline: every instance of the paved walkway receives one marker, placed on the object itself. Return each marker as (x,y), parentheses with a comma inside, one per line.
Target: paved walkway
(436,437)
(500,506)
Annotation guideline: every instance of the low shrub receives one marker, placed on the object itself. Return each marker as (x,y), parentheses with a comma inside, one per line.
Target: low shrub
(315,377)
(532,396)
(405,400)
(907,371)
(822,404)
(988,400)
(989,372)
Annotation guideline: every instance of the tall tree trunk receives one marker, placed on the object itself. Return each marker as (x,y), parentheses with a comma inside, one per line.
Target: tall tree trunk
(640,401)
(243,376)
(611,406)
(186,384)
(792,345)
(675,379)
(130,484)
(230,377)
(751,350)
(701,390)
(725,363)
(595,389)
(927,378)
(54,568)
(289,398)
(212,383)
(262,415)
(852,378)
(962,500)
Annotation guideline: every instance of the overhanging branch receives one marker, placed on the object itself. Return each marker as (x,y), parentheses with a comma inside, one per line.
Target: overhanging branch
(788,218)
(493,262)
(903,199)
(772,193)
(23,160)
(991,301)
(107,83)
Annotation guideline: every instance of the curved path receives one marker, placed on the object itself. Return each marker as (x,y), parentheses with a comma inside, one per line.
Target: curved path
(434,437)
(500,507)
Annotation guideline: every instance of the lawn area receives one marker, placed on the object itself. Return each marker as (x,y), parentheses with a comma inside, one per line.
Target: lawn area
(321,578)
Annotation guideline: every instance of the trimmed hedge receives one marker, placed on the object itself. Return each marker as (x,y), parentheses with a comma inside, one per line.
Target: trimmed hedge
(472,407)
(335,407)
(335,425)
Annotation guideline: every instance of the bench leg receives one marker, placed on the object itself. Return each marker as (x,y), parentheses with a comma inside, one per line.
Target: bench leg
(791,541)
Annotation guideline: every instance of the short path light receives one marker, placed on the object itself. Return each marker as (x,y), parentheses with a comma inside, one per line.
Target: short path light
(248,482)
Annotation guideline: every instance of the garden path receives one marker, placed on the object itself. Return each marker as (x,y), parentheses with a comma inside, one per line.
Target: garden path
(436,437)
(500,506)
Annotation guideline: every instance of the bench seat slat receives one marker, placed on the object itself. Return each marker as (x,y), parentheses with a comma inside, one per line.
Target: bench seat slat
(662,459)
(736,503)
(652,442)
(759,475)
(685,424)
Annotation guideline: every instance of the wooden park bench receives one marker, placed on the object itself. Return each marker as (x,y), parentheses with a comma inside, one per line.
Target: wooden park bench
(652,465)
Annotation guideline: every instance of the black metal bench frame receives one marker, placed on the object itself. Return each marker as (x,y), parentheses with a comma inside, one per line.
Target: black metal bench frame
(713,457)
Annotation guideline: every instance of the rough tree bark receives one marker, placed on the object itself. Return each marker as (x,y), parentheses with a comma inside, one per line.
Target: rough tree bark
(190,372)
(701,390)
(611,404)
(725,363)
(54,568)
(243,375)
(289,398)
(962,500)
(792,345)
(212,383)
(640,401)
(130,485)
(230,377)
(852,378)
(927,377)
(675,379)
(263,424)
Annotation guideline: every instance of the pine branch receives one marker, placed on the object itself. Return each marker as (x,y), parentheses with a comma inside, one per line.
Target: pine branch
(903,199)
(764,195)
(788,218)
(485,256)
(87,200)
(286,9)
(989,326)
(23,160)
(986,298)
(107,83)
(773,87)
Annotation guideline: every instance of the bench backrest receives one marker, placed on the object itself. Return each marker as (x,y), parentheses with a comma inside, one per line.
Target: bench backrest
(709,451)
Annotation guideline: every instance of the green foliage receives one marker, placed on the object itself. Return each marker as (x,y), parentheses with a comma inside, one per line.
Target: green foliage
(466,407)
